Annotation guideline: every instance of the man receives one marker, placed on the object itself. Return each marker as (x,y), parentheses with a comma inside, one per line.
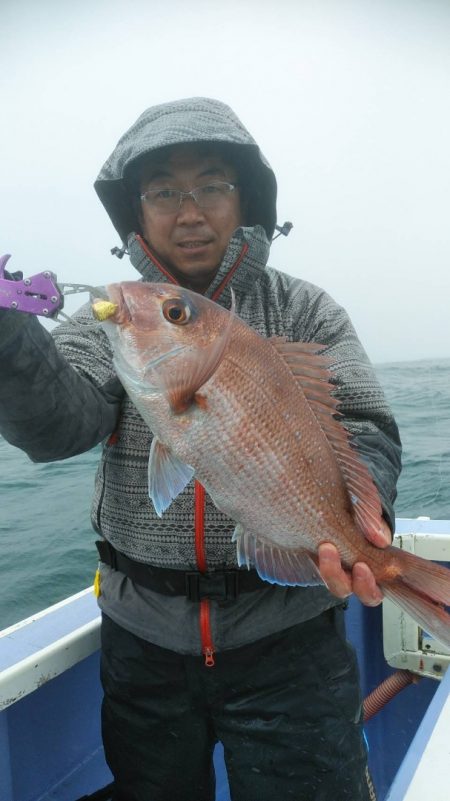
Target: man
(193,200)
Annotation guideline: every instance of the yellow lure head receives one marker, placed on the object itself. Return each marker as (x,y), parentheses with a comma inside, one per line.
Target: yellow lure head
(103,309)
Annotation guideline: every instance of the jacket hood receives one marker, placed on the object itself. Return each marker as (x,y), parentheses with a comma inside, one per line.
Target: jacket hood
(197,119)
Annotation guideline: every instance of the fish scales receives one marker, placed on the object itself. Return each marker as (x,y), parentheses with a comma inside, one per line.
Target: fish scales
(266,430)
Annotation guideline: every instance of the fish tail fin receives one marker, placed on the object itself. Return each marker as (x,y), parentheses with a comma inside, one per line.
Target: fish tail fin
(422,591)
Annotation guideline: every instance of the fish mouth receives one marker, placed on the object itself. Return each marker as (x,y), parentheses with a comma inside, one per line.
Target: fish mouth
(123,314)
(112,308)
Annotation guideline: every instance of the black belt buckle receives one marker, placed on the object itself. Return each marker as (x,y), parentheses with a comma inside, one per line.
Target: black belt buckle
(220,585)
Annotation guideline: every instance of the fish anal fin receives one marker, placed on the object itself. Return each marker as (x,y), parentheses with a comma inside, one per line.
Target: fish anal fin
(276,565)
(167,476)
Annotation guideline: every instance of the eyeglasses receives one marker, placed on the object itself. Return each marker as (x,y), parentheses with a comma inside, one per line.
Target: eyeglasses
(207,197)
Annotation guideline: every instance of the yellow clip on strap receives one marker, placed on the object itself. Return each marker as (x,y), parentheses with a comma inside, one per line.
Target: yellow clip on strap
(97,581)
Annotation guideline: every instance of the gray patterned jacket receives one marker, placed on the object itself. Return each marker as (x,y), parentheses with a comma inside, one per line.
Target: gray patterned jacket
(67,399)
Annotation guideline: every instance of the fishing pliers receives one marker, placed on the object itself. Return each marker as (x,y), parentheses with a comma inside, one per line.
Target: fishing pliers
(39,294)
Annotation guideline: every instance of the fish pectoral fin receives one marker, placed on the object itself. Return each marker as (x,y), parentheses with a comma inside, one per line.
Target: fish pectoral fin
(288,567)
(167,476)
(192,367)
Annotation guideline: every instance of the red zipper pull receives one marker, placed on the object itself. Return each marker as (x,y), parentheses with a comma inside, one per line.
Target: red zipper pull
(205,633)
(209,657)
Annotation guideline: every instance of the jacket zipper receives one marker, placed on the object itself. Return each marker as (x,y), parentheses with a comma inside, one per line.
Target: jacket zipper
(205,633)
(230,273)
(200,503)
(153,258)
(208,649)
(205,608)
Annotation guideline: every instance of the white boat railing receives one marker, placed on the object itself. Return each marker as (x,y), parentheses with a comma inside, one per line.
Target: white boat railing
(47,644)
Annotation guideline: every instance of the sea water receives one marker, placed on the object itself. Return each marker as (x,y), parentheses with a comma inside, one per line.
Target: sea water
(47,547)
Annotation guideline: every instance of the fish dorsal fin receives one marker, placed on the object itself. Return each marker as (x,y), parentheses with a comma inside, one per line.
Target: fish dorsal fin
(167,476)
(184,373)
(311,371)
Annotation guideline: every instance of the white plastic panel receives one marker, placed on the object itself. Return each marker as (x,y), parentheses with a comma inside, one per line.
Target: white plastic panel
(406,645)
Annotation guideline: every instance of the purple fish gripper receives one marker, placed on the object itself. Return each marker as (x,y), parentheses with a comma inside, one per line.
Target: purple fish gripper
(38,294)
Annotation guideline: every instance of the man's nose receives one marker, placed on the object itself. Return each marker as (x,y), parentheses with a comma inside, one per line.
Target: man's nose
(189,209)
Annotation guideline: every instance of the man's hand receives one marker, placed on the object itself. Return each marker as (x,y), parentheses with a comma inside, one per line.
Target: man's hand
(360,581)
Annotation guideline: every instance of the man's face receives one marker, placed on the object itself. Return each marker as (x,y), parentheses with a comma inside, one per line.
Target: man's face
(192,240)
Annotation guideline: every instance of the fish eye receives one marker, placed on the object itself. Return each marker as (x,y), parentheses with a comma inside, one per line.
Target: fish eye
(176,311)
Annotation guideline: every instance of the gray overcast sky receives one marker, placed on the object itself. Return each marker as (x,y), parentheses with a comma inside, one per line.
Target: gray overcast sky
(348,100)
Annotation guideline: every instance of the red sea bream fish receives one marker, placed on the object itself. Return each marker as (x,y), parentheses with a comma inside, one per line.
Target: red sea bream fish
(256,422)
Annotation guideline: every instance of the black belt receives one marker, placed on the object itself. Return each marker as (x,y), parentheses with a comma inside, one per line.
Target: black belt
(219,585)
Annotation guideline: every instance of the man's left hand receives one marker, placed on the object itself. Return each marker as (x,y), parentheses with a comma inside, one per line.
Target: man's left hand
(360,581)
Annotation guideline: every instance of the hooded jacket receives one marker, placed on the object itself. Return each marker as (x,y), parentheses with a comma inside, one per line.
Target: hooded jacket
(197,119)
(69,399)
